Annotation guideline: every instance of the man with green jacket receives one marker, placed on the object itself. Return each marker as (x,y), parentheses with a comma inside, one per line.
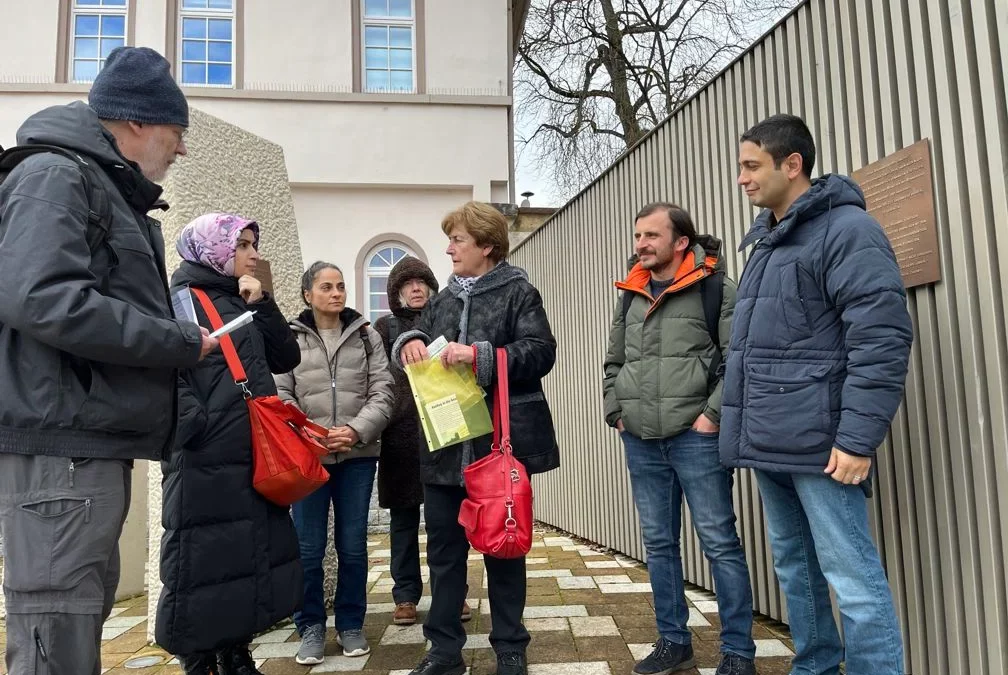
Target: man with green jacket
(662,390)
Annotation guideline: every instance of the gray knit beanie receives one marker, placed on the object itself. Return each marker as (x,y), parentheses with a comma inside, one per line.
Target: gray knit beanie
(136,85)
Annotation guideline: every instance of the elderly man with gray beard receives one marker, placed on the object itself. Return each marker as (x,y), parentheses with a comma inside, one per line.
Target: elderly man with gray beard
(90,351)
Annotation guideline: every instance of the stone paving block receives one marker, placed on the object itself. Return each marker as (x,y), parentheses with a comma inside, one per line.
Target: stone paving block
(600,648)
(571,583)
(622,608)
(640,650)
(546,625)
(546,612)
(772,648)
(601,564)
(544,574)
(634,621)
(696,618)
(625,588)
(340,664)
(699,595)
(128,642)
(542,597)
(394,657)
(593,626)
(477,641)
(580,668)
(272,650)
(403,635)
(612,579)
(282,635)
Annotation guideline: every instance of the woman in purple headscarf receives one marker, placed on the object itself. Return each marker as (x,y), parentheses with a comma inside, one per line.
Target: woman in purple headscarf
(229,558)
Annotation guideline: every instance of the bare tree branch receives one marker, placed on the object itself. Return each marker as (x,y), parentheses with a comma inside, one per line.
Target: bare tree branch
(594,76)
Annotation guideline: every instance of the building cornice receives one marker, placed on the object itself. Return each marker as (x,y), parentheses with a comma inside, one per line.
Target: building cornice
(198,93)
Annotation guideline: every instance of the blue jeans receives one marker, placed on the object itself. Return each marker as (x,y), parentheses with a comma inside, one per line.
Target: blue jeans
(661,472)
(349,490)
(819,533)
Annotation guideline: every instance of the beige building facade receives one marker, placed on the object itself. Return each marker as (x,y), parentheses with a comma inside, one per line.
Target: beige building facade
(389,112)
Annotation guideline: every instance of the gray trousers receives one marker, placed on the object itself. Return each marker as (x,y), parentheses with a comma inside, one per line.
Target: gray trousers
(61,520)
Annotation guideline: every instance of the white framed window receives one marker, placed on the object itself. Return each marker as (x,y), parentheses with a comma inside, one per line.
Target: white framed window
(380,262)
(207,43)
(97,27)
(389,39)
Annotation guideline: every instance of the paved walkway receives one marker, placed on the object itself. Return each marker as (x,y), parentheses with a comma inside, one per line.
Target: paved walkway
(589,612)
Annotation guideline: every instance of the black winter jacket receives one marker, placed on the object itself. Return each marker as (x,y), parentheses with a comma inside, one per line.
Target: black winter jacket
(88,368)
(503,310)
(229,559)
(399,484)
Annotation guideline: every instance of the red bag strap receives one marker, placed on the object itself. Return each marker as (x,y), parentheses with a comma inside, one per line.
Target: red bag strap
(502,437)
(226,344)
(501,410)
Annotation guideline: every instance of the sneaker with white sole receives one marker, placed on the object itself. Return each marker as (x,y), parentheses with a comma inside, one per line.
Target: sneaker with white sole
(310,653)
(353,642)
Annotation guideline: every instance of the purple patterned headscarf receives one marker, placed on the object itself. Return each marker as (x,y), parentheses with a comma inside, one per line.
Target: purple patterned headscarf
(211,240)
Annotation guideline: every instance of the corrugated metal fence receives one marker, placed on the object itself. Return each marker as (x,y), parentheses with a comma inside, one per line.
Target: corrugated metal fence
(870,77)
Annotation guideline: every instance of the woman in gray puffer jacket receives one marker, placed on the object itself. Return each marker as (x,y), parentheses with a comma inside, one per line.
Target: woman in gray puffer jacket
(344,384)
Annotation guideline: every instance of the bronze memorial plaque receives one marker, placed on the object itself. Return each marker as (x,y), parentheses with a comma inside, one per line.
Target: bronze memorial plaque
(265,275)
(899,193)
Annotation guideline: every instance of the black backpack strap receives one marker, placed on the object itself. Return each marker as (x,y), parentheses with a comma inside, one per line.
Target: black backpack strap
(712,295)
(366,339)
(627,301)
(394,331)
(99,205)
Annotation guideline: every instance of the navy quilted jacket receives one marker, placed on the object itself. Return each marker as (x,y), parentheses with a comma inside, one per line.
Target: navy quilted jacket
(821,336)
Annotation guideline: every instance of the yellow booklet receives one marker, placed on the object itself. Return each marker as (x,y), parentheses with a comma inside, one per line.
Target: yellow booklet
(450,402)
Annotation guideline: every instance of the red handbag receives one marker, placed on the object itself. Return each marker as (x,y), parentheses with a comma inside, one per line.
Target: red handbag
(285,445)
(497,514)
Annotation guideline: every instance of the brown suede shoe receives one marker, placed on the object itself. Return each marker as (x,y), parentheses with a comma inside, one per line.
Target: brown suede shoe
(466,611)
(405,614)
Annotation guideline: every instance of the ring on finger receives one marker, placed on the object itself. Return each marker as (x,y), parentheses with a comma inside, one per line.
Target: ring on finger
(857,479)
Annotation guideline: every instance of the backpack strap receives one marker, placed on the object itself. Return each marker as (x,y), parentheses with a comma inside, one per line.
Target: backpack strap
(712,295)
(627,301)
(366,339)
(99,204)
(394,331)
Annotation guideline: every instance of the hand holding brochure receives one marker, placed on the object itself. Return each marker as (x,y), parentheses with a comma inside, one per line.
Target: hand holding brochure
(184,310)
(233,325)
(450,402)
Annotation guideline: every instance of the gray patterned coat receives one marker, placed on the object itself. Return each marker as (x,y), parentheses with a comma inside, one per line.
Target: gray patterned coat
(503,310)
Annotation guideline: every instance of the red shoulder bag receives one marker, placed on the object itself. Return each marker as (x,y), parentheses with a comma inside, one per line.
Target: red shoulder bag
(285,445)
(497,514)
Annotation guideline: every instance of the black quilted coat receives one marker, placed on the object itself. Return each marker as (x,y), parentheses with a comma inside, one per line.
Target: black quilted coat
(229,559)
(399,463)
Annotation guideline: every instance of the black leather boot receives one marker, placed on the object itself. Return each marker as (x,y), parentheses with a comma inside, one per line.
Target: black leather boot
(236,660)
(199,664)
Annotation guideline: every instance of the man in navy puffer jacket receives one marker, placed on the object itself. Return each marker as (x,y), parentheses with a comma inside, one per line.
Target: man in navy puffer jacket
(814,375)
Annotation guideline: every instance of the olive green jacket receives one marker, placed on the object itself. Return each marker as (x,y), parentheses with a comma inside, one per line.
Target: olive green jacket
(657,369)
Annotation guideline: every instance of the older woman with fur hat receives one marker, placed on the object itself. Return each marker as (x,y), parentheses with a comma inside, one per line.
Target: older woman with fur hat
(410,286)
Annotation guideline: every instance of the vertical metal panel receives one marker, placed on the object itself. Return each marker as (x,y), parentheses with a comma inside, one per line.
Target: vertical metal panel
(869,77)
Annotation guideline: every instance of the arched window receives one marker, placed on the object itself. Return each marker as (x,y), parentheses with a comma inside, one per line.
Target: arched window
(380,262)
